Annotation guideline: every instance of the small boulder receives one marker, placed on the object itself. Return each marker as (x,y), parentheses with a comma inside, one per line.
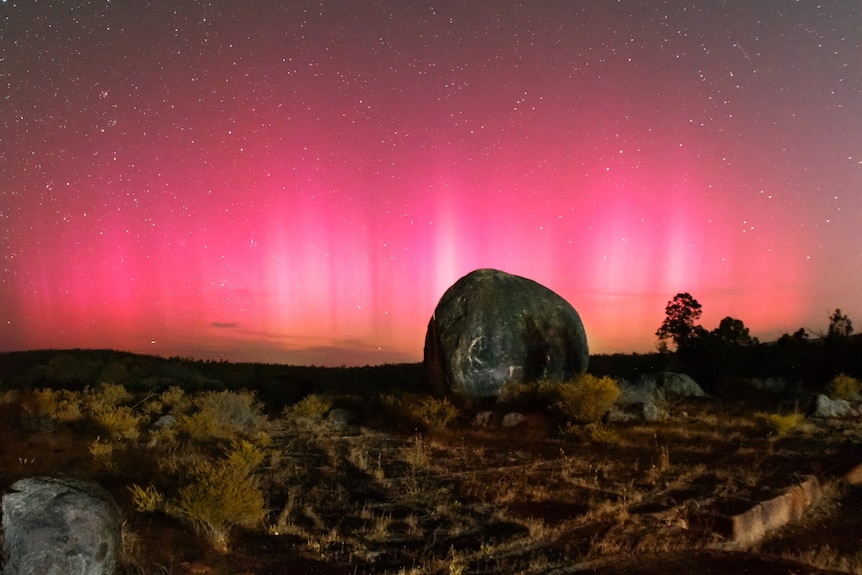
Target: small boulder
(680,385)
(483,418)
(60,526)
(165,422)
(491,329)
(826,407)
(340,417)
(513,419)
(644,390)
(651,412)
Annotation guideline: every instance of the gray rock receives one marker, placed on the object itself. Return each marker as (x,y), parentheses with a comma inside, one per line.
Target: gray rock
(491,329)
(54,526)
(774,385)
(165,422)
(651,412)
(825,407)
(646,398)
(512,419)
(340,417)
(644,390)
(679,385)
(483,418)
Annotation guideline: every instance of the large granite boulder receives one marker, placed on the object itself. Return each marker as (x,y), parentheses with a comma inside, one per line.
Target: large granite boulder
(54,526)
(491,329)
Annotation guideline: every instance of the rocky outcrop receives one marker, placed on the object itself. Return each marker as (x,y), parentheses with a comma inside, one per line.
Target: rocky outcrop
(55,526)
(492,328)
(647,397)
(679,385)
(826,407)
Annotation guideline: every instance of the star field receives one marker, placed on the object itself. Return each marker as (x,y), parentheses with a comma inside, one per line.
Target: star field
(299,182)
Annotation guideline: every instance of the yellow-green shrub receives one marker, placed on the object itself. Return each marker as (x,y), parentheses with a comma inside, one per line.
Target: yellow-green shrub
(69,406)
(40,403)
(777,424)
(175,398)
(309,407)
(102,452)
(245,456)
(220,496)
(531,394)
(146,500)
(107,395)
(435,413)
(222,415)
(120,422)
(842,386)
(587,398)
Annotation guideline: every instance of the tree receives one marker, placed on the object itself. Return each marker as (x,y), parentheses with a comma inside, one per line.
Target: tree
(680,324)
(734,332)
(840,325)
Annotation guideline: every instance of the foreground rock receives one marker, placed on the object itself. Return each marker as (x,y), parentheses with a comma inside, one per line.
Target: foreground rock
(57,526)
(492,328)
(826,407)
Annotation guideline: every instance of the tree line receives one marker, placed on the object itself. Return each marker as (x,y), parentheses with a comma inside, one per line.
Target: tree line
(729,351)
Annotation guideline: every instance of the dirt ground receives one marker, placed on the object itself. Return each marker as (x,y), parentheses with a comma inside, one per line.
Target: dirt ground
(632,497)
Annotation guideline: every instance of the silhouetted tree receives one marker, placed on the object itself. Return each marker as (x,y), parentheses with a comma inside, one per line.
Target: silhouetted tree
(733,331)
(840,325)
(680,324)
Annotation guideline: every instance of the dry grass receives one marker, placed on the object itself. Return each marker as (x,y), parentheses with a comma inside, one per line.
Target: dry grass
(443,497)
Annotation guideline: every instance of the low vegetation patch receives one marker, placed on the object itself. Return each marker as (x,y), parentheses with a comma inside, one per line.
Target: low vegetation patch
(588,398)
(778,425)
(415,485)
(843,386)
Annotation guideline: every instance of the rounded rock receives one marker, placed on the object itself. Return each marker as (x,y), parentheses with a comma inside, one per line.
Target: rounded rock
(491,329)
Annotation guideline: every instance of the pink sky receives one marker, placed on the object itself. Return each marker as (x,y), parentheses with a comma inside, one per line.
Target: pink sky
(296,185)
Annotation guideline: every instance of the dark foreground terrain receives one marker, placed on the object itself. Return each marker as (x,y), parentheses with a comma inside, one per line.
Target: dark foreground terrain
(402,483)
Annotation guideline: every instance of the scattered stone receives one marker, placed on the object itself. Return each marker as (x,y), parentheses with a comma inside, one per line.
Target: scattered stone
(483,418)
(513,419)
(651,412)
(340,417)
(55,526)
(646,398)
(825,407)
(774,385)
(491,329)
(165,422)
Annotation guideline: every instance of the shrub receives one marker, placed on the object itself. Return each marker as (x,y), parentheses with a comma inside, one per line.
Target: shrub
(222,415)
(244,456)
(842,386)
(530,395)
(435,413)
(311,407)
(107,395)
(587,398)
(777,424)
(175,398)
(146,500)
(120,422)
(102,452)
(221,495)
(69,406)
(40,403)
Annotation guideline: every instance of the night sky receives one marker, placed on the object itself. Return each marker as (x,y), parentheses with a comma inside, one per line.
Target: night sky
(299,182)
